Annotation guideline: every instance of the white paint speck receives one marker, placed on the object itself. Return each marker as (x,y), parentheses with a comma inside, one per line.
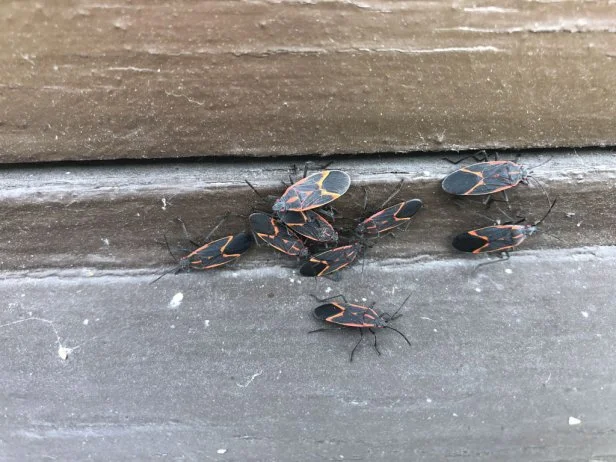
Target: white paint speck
(291,280)
(454,414)
(164,207)
(172,326)
(584,313)
(221,451)
(508,271)
(86,322)
(207,323)
(328,290)
(477,289)
(435,330)
(428,400)
(176,300)
(63,352)
(364,299)
(105,241)
(574,421)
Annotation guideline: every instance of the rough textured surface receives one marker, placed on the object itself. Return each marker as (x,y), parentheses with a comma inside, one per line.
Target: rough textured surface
(502,360)
(116,217)
(96,80)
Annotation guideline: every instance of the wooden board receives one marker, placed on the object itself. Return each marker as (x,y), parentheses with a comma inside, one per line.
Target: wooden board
(85,80)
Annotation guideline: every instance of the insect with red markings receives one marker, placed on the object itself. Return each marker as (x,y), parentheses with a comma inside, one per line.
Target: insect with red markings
(313,191)
(388,219)
(350,315)
(330,261)
(213,254)
(310,225)
(487,178)
(497,238)
(277,235)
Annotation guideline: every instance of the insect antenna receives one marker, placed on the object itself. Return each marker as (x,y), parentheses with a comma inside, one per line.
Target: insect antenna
(394,194)
(396,330)
(173,256)
(547,213)
(395,315)
(538,183)
(174,269)
(541,164)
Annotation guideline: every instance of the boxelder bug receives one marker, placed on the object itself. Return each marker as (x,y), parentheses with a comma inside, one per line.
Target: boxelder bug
(277,235)
(487,178)
(213,254)
(330,261)
(309,224)
(347,314)
(497,238)
(388,219)
(313,191)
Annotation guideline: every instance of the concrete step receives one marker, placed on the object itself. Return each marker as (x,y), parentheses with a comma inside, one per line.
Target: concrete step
(513,362)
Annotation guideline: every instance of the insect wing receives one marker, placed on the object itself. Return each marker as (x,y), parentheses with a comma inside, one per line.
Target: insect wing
(310,224)
(276,235)
(330,261)
(389,218)
(483,178)
(346,314)
(219,252)
(314,191)
(490,239)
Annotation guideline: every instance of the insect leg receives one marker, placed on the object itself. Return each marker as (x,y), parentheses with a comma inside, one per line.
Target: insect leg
(375,347)
(506,197)
(207,238)
(363,213)
(499,260)
(253,189)
(474,156)
(361,337)
(185,231)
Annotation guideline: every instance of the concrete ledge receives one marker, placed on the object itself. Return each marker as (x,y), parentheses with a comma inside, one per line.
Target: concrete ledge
(116,216)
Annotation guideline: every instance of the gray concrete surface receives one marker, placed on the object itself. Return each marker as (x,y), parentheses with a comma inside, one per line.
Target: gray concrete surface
(503,361)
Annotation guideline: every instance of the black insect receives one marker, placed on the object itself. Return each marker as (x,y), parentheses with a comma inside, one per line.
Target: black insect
(277,235)
(331,261)
(345,315)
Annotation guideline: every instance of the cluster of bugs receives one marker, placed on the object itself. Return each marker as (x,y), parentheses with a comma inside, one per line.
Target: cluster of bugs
(486,179)
(298,226)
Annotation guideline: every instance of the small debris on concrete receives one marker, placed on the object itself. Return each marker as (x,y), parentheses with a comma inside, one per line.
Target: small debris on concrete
(176,300)
(584,313)
(574,421)
(221,451)
(63,352)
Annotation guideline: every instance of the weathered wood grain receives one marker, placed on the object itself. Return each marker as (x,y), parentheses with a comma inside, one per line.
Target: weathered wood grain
(101,80)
